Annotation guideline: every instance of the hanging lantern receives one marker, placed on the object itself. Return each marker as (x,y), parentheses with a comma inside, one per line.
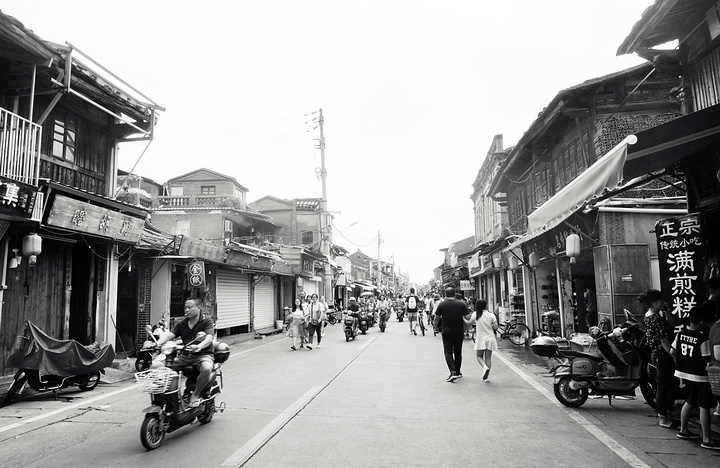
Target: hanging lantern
(32,247)
(534,260)
(572,247)
(496,261)
(514,263)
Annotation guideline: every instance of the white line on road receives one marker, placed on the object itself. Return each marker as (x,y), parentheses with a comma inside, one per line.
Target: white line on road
(253,445)
(605,439)
(65,408)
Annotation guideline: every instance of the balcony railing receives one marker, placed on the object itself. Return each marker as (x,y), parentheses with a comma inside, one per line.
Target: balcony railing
(19,148)
(195,201)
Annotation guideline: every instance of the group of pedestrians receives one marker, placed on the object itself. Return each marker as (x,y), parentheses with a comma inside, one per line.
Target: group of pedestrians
(306,321)
(684,356)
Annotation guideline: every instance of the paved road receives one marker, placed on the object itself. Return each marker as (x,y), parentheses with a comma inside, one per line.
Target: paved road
(381,400)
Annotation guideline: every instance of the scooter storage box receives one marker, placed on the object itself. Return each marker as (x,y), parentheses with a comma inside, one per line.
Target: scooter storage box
(544,346)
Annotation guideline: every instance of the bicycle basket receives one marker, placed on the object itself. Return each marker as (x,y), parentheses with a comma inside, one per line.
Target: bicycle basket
(714,377)
(155,381)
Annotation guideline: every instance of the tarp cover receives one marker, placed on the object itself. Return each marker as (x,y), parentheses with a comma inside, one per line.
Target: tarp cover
(59,357)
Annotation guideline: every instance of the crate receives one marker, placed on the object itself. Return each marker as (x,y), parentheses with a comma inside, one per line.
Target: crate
(714,377)
(155,381)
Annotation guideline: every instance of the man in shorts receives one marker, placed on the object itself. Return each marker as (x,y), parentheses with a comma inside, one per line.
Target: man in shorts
(412,304)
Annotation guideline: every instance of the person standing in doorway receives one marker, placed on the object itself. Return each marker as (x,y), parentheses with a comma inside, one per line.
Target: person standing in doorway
(315,316)
(454,314)
(485,342)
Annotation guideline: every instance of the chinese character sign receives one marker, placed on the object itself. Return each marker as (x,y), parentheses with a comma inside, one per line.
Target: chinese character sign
(681,266)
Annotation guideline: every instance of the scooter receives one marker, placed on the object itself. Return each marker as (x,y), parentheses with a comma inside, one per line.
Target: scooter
(48,365)
(351,327)
(170,409)
(148,353)
(384,316)
(619,365)
(400,312)
(331,316)
(364,321)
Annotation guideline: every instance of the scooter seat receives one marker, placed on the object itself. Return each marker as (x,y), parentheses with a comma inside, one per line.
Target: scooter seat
(572,353)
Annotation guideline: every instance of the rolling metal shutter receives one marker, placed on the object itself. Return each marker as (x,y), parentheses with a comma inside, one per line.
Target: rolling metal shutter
(264,304)
(233,299)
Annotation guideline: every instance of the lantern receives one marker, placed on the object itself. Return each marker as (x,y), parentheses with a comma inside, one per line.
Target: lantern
(534,260)
(572,247)
(496,261)
(514,263)
(32,247)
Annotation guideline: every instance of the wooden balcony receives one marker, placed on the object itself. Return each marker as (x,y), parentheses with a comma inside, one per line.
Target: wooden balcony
(19,148)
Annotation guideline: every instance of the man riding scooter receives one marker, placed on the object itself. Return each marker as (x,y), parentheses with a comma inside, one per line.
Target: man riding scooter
(200,355)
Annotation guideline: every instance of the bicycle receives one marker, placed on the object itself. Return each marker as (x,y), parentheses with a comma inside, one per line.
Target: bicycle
(421,322)
(518,333)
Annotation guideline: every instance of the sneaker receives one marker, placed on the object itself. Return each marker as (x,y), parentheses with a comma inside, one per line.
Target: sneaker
(712,445)
(687,435)
(318,345)
(452,377)
(293,348)
(414,333)
(309,346)
(487,373)
(459,376)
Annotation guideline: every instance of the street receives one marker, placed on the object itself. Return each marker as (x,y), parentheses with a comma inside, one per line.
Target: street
(381,400)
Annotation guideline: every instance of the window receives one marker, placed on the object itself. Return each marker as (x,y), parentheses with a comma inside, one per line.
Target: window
(713,21)
(307,237)
(228,226)
(176,191)
(64,137)
(207,190)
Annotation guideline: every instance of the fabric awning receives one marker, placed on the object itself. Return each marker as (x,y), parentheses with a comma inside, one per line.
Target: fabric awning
(605,174)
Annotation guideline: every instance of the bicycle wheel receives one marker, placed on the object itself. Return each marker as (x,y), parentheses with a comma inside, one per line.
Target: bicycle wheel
(500,332)
(519,334)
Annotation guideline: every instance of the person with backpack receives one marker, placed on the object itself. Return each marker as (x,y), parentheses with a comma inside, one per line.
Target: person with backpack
(412,304)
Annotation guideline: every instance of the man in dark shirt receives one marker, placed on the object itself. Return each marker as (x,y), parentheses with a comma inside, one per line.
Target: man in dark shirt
(454,314)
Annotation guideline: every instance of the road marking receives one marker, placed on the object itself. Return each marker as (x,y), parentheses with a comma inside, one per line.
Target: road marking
(253,445)
(605,439)
(368,343)
(66,408)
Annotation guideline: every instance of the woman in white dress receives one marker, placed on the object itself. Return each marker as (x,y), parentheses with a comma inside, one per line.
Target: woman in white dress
(485,342)
(297,329)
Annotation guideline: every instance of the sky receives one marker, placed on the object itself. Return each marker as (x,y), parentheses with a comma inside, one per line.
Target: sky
(412,94)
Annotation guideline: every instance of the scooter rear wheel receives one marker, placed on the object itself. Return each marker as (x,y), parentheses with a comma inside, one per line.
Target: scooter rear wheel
(207,415)
(648,388)
(151,432)
(15,390)
(347,337)
(92,381)
(143,361)
(569,397)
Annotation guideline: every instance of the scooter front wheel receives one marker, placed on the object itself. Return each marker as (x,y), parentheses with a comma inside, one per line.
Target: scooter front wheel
(15,390)
(143,361)
(347,336)
(151,432)
(569,397)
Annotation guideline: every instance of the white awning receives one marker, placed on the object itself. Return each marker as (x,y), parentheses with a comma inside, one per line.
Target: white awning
(605,174)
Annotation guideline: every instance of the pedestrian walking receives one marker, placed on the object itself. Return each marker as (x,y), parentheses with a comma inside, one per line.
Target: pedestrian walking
(485,341)
(659,334)
(691,350)
(315,316)
(412,304)
(324,322)
(296,329)
(454,314)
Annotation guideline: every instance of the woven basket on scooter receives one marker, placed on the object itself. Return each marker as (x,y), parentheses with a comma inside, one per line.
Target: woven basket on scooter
(714,377)
(155,380)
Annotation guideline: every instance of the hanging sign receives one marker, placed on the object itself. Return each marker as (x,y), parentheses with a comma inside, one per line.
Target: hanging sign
(196,274)
(681,266)
(467,285)
(16,198)
(83,217)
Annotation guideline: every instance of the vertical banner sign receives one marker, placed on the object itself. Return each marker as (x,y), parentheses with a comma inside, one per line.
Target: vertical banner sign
(196,274)
(681,266)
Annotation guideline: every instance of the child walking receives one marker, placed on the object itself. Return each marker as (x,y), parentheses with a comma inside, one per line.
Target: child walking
(691,351)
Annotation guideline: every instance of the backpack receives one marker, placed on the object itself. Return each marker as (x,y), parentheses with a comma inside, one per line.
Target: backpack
(412,303)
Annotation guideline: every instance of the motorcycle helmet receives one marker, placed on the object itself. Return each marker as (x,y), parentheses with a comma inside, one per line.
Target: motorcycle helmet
(351,299)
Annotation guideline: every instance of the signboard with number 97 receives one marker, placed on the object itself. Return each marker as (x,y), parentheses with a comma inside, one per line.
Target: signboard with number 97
(196,276)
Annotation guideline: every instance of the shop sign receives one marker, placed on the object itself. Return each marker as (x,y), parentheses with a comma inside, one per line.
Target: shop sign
(681,265)
(196,274)
(467,285)
(201,249)
(79,216)
(16,198)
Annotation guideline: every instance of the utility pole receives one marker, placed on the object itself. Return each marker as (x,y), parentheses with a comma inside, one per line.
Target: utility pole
(379,263)
(325,234)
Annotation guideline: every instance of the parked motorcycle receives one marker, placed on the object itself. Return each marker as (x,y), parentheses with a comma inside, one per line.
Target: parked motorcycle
(620,364)
(331,316)
(351,327)
(148,353)
(170,409)
(384,316)
(48,365)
